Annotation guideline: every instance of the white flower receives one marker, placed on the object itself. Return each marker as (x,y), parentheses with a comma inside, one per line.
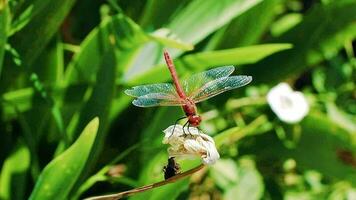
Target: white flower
(288,105)
(192,143)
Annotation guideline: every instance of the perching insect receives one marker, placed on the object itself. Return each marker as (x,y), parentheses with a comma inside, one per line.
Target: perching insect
(171,169)
(194,89)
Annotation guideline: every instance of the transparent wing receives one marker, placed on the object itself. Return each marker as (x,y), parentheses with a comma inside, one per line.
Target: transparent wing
(161,88)
(160,94)
(196,81)
(157,99)
(219,86)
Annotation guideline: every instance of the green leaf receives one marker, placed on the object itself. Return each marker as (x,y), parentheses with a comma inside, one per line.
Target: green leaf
(198,21)
(202,61)
(32,39)
(4,25)
(15,170)
(98,104)
(191,25)
(24,13)
(326,141)
(50,65)
(249,184)
(158,12)
(321,146)
(225,173)
(341,118)
(59,176)
(285,23)
(120,30)
(248,28)
(167,38)
(321,33)
(17,99)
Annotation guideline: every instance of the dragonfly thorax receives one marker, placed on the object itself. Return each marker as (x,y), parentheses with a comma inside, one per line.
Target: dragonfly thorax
(189,107)
(190,110)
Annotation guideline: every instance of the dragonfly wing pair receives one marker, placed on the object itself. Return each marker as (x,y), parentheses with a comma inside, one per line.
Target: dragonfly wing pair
(198,87)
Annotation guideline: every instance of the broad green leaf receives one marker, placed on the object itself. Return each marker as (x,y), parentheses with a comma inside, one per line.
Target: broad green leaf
(60,175)
(321,33)
(202,61)
(191,25)
(4,26)
(15,170)
(201,23)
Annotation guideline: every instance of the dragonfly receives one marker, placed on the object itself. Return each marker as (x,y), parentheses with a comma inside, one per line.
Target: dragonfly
(186,93)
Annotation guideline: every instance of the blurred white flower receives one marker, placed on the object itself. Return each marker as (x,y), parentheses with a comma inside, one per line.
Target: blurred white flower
(192,143)
(290,106)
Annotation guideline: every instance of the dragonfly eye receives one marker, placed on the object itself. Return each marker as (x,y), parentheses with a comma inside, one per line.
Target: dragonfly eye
(194,120)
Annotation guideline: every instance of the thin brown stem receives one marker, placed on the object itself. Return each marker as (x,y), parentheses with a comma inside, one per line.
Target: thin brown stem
(146,187)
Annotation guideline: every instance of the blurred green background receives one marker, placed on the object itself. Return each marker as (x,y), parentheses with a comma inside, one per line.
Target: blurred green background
(62,63)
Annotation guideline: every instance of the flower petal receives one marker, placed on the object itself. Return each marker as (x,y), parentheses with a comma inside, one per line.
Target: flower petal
(289,106)
(193,143)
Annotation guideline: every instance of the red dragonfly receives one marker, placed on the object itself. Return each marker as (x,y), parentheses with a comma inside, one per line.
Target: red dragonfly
(194,89)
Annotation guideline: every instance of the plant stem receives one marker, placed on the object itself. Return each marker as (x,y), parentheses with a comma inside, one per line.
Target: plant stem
(146,187)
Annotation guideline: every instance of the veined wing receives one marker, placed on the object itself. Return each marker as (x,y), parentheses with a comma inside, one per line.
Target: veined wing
(162,88)
(196,81)
(158,99)
(219,86)
(160,94)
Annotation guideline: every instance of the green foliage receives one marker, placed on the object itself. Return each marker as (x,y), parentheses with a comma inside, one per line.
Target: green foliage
(14,170)
(59,176)
(4,26)
(63,63)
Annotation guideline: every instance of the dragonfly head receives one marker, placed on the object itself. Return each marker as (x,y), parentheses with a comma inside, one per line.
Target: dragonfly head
(194,120)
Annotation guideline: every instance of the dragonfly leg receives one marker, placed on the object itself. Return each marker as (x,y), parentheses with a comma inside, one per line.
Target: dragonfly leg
(176,124)
(185,125)
(189,130)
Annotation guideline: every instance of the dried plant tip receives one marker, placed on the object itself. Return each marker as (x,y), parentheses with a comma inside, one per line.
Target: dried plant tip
(171,169)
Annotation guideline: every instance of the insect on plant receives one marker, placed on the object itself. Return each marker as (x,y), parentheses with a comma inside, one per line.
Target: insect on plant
(194,89)
(171,169)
